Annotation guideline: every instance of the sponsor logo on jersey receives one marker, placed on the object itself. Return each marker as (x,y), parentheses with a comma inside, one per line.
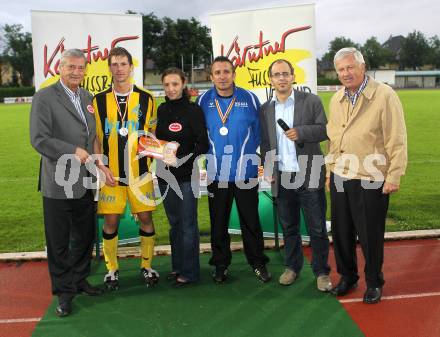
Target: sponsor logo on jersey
(241,104)
(175,127)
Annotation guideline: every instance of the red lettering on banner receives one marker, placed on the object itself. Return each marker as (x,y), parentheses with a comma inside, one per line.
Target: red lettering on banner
(47,63)
(89,52)
(255,52)
(123,38)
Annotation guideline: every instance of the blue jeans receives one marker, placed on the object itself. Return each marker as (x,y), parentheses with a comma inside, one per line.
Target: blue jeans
(314,205)
(184,231)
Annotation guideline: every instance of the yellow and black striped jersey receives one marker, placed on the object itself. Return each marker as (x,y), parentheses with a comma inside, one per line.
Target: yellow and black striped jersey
(120,147)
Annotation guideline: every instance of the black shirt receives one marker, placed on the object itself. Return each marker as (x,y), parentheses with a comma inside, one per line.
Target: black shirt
(183,121)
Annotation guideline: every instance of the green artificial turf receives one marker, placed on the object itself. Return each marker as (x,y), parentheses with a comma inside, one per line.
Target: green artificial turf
(241,307)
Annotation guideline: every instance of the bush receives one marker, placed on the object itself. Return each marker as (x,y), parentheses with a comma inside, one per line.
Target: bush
(328,81)
(16,92)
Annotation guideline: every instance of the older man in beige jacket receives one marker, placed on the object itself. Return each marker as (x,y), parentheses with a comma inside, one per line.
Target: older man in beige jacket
(367,157)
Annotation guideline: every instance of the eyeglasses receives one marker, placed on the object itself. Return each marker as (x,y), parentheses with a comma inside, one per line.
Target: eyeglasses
(72,67)
(279,75)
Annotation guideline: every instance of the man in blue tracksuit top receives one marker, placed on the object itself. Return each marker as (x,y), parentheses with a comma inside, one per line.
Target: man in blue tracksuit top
(232,120)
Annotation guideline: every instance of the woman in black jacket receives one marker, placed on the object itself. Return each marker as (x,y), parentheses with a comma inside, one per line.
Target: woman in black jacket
(183,122)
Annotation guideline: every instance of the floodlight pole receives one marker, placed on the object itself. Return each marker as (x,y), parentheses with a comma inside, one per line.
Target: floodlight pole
(181,59)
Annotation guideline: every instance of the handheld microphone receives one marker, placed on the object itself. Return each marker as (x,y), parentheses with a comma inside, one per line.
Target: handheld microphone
(285,127)
(283,124)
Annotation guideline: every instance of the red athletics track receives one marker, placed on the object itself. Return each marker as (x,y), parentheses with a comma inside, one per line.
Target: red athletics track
(24,296)
(410,306)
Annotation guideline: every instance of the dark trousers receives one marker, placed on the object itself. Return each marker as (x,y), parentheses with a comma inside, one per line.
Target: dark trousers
(70,233)
(220,204)
(313,202)
(184,230)
(361,211)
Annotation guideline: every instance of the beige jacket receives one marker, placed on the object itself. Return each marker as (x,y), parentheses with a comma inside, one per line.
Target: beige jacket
(367,141)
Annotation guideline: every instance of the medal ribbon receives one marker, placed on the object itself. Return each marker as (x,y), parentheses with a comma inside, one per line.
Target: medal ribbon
(224,116)
(126,105)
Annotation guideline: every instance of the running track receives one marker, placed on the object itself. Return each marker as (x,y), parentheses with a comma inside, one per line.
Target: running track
(410,305)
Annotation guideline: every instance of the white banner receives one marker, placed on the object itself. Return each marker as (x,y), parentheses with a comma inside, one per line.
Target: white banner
(95,34)
(253,39)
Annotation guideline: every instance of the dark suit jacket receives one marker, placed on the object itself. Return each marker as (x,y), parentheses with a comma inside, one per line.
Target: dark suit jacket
(310,122)
(56,128)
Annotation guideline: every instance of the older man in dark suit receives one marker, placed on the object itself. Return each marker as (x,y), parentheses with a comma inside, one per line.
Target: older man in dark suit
(292,125)
(62,130)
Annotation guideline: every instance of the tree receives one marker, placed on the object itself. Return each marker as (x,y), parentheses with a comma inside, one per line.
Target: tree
(18,51)
(167,54)
(415,51)
(194,39)
(183,38)
(434,55)
(374,54)
(1,69)
(166,41)
(336,44)
(152,28)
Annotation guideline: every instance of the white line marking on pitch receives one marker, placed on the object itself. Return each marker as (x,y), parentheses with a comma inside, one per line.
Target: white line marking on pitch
(20,320)
(396,297)
(411,246)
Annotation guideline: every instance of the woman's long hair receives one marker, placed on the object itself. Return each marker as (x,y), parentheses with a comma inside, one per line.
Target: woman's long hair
(181,74)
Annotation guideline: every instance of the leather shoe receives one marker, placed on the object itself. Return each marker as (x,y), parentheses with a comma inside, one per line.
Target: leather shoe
(181,282)
(87,289)
(172,276)
(343,288)
(220,274)
(64,308)
(372,295)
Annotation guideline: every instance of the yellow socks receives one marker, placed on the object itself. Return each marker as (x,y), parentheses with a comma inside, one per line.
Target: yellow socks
(110,250)
(147,248)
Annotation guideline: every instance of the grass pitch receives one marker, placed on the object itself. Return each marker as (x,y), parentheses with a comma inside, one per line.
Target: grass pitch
(416,206)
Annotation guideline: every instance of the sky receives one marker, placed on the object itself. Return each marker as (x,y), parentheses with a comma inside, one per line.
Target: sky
(355,19)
